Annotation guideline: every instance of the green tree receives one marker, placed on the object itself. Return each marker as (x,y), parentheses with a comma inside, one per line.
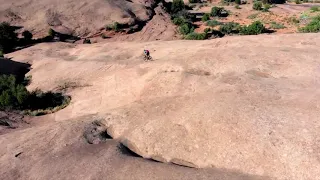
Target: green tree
(218,12)
(177,5)
(186,29)
(178,21)
(12,94)
(205,17)
(8,37)
(27,35)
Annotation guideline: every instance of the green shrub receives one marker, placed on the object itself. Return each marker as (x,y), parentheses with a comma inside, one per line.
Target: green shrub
(177,5)
(1,54)
(219,12)
(51,32)
(275,25)
(266,7)
(207,30)
(186,29)
(230,27)
(194,1)
(178,21)
(116,26)
(196,36)
(293,20)
(86,41)
(297,1)
(305,1)
(313,26)
(238,2)
(237,6)
(205,17)
(253,29)
(213,23)
(103,36)
(27,35)
(315,8)
(185,15)
(12,94)
(8,37)
(257,5)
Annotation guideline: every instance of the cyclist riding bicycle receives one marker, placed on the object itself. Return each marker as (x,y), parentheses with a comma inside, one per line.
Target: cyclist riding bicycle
(146,53)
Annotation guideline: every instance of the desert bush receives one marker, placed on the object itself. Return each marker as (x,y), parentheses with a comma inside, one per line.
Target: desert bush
(313,26)
(178,21)
(293,20)
(213,23)
(257,5)
(253,29)
(237,6)
(51,32)
(86,41)
(238,2)
(116,26)
(205,17)
(219,12)
(315,8)
(185,15)
(1,53)
(194,1)
(177,5)
(275,25)
(229,28)
(27,35)
(8,37)
(196,36)
(103,36)
(12,94)
(297,1)
(266,7)
(186,29)
(207,30)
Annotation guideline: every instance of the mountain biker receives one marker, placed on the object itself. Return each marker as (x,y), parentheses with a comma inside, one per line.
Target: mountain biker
(146,52)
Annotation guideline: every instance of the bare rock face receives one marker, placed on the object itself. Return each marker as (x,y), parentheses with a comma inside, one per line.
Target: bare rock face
(81,17)
(249,103)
